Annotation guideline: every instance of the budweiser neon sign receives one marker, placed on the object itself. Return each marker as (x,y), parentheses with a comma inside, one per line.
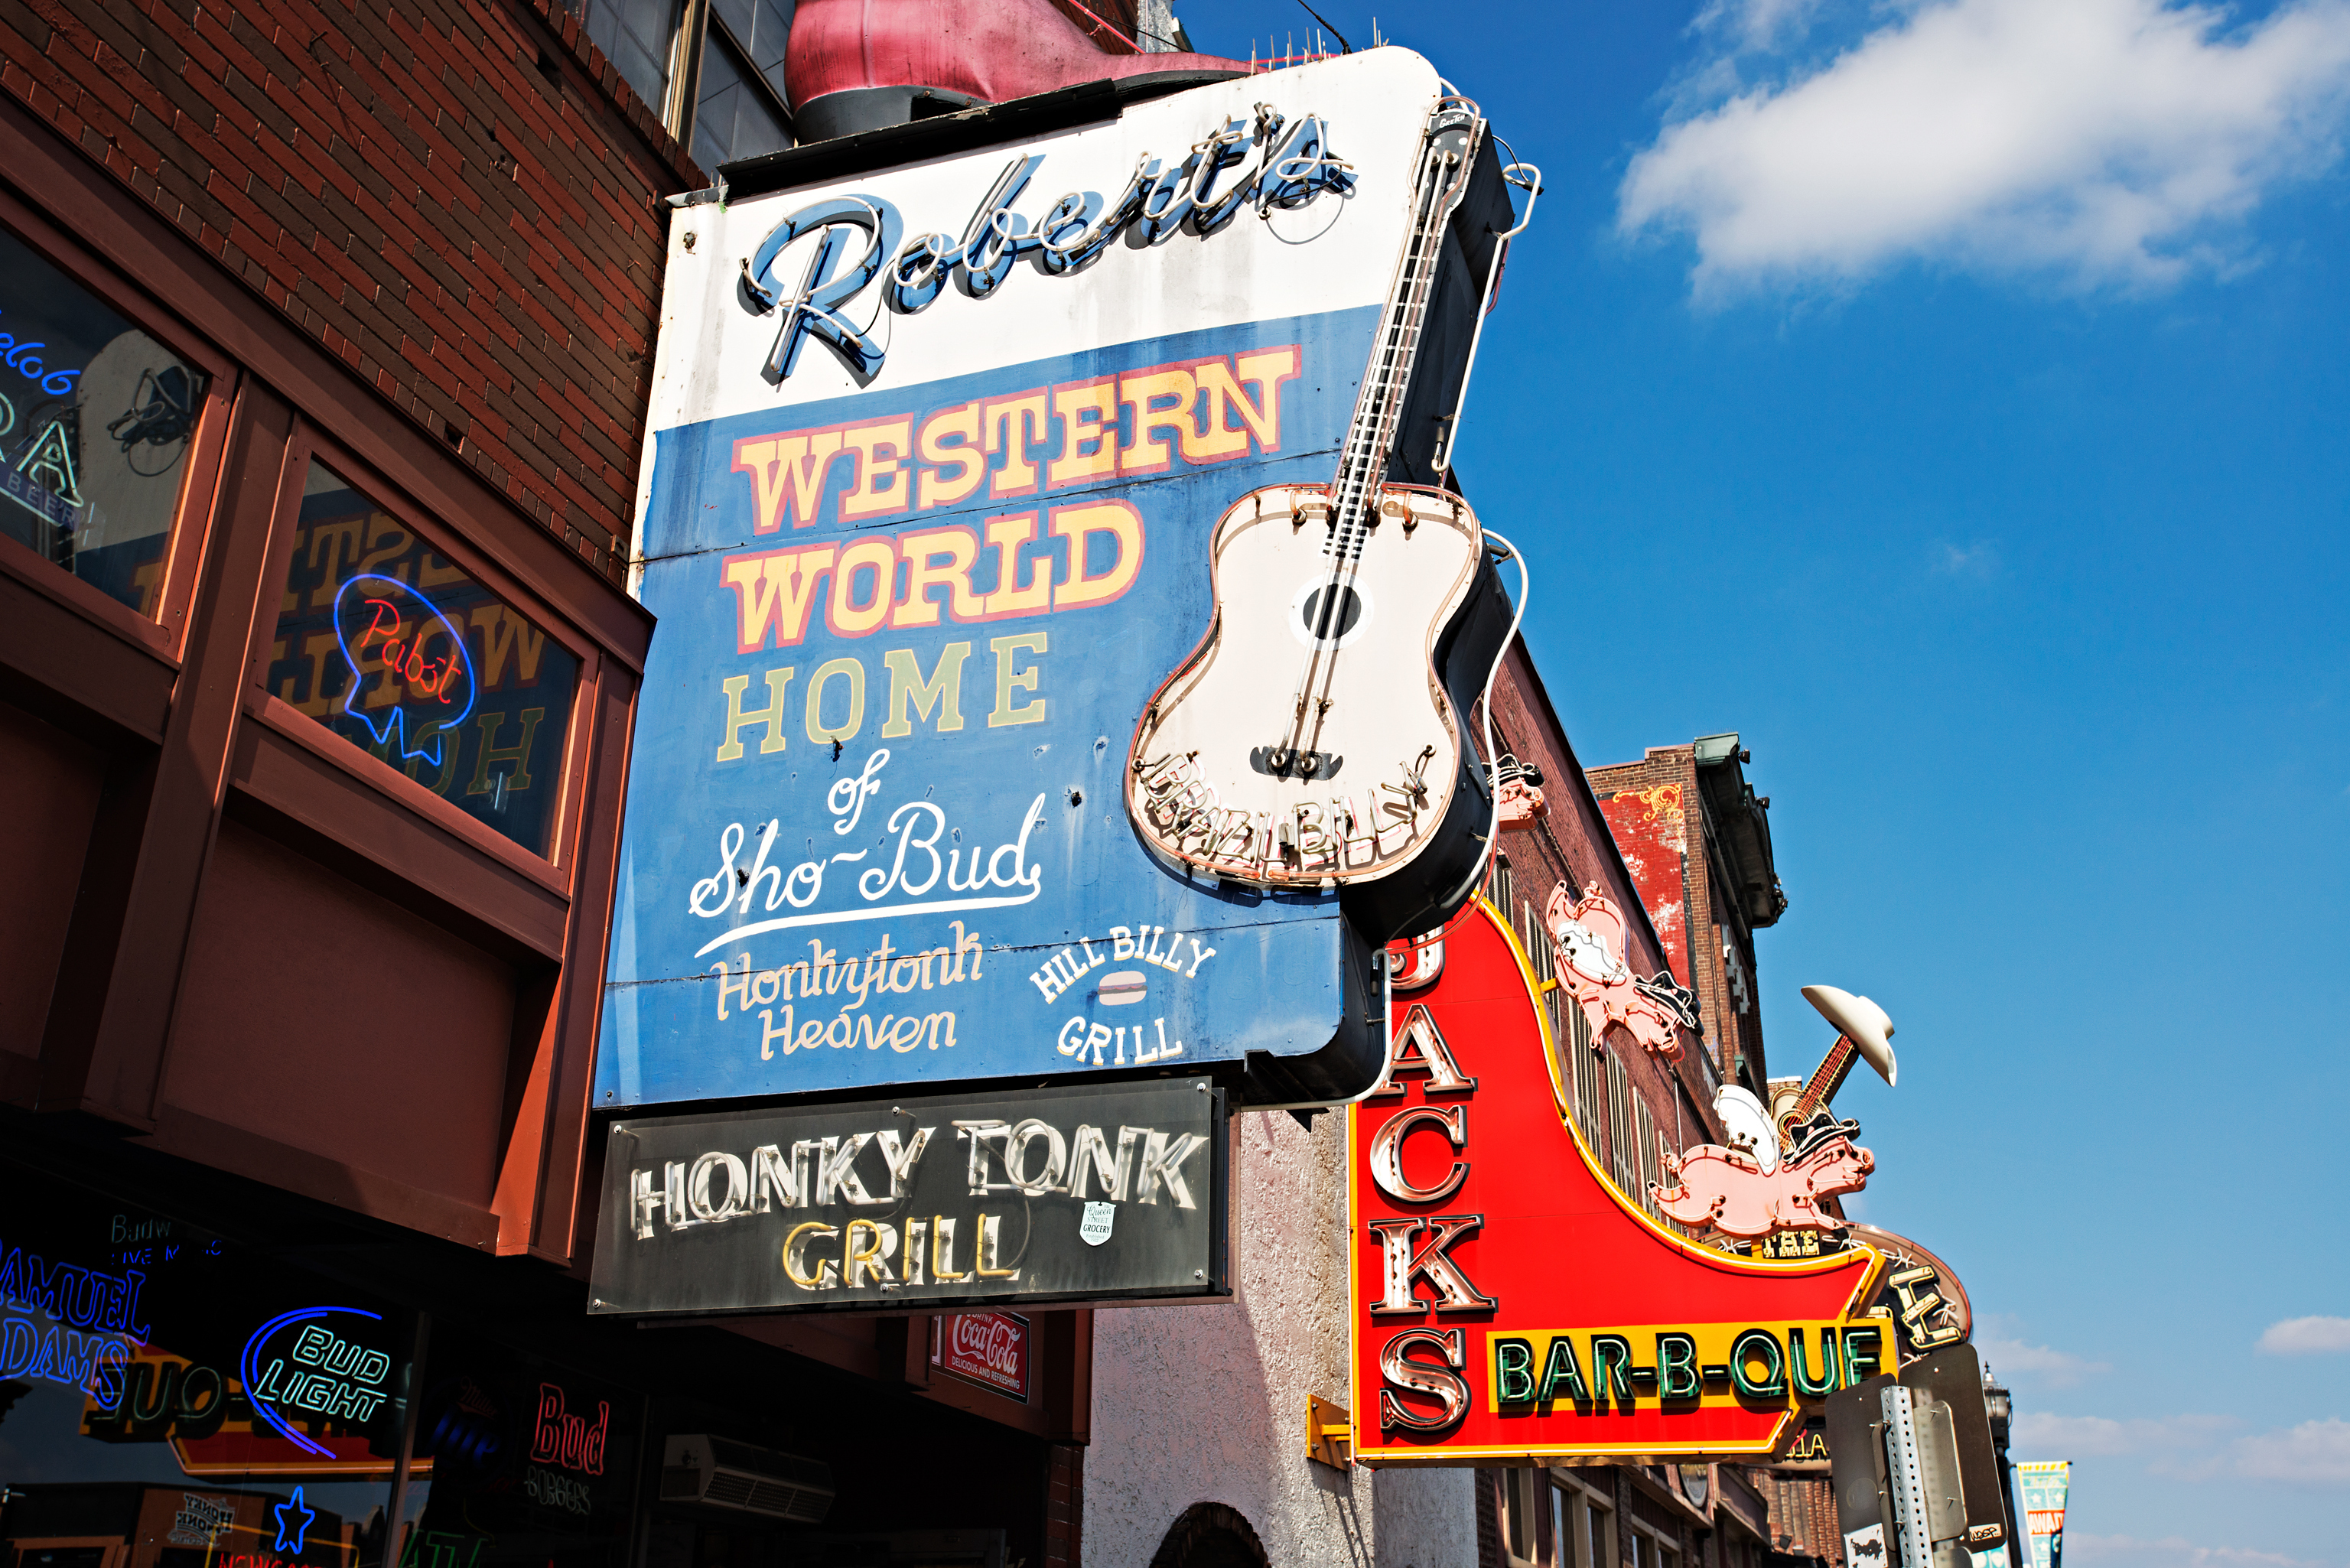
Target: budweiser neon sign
(559,1437)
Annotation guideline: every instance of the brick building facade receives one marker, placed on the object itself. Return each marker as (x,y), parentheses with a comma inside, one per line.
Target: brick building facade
(456,201)
(1697,840)
(328,333)
(1625,830)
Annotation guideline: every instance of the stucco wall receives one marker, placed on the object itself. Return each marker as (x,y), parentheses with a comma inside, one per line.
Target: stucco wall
(1196,1403)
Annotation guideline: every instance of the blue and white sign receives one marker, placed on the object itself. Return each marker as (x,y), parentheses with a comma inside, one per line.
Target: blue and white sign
(925,519)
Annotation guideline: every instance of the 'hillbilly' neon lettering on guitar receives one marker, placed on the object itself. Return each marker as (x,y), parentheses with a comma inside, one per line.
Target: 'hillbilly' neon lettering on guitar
(1308,741)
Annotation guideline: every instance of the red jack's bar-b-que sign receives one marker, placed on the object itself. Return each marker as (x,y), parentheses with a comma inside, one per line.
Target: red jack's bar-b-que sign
(1512,1302)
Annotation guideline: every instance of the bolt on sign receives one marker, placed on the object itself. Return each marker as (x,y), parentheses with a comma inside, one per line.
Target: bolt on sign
(1509,1301)
(937,453)
(1067,1193)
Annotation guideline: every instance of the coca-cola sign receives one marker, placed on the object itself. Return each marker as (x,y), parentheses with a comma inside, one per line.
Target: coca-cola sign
(989,1348)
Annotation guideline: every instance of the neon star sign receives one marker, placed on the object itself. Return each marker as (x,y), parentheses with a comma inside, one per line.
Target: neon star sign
(292,1523)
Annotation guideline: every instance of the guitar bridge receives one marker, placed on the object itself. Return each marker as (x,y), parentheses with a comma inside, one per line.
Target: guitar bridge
(1294,764)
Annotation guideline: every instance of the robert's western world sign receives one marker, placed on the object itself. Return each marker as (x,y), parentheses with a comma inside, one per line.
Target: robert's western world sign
(924,519)
(1070,1193)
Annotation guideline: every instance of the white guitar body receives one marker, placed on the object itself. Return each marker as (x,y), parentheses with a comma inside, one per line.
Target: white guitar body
(1374,763)
(1313,739)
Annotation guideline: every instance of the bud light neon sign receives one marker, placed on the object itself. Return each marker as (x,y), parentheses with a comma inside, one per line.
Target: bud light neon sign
(315,1371)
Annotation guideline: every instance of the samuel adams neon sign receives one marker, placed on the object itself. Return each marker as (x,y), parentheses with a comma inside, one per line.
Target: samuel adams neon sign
(1292,166)
(322,1372)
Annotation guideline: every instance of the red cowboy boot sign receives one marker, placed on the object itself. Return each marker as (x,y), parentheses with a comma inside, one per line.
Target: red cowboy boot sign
(1510,1302)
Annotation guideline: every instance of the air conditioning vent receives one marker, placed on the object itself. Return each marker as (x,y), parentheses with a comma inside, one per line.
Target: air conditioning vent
(719,1472)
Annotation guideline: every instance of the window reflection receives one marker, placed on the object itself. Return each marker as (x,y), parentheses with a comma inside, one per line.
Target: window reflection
(636,35)
(530,1464)
(96,420)
(454,687)
(171,1400)
(740,109)
(734,118)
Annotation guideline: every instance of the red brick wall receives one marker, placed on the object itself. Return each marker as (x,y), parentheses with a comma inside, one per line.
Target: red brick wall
(1652,824)
(1803,1513)
(457,199)
(1065,1506)
(1629,792)
(1572,843)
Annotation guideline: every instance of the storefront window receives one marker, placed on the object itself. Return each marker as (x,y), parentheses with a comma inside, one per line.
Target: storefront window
(528,1464)
(96,420)
(637,36)
(172,1399)
(407,657)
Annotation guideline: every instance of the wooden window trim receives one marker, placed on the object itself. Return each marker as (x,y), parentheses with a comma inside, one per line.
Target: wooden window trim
(296,728)
(197,508)
(555,868)
(271,351)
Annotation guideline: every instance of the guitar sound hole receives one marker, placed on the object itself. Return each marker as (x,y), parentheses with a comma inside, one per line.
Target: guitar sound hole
(1350,611)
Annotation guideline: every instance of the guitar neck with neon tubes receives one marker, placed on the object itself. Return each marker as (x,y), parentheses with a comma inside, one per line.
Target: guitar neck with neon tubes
(1863,1033)
(1313,739)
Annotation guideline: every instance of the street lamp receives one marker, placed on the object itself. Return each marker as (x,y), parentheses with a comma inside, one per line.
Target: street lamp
(1997,1401)
(2001,1407)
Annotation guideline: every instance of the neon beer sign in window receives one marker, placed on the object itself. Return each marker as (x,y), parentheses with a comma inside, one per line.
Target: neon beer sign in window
(310,1365)
(560,1436)
(383,625)
(404,654)
(96,420)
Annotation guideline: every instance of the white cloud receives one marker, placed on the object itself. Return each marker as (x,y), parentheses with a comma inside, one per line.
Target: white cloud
(2039,1434)
(2191,1447)
(1980,559)
(2306,1336)
(1755,24)
(2104,141)
(2171,1552)
(2009,1357)
(2315,1453)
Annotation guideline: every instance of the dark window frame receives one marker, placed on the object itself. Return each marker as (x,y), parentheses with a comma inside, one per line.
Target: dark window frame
(194,517)
(699,21)
(553,868)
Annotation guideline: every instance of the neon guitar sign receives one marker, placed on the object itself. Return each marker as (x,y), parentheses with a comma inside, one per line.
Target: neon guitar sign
(1313,739)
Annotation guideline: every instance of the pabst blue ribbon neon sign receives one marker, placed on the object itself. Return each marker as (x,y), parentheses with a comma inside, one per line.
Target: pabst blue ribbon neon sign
(1198,195)
(429,683)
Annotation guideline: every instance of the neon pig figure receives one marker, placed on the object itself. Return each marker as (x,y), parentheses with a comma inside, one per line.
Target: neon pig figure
(373,614)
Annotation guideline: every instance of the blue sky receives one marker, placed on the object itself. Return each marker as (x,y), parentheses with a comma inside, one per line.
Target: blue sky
(1950,399)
